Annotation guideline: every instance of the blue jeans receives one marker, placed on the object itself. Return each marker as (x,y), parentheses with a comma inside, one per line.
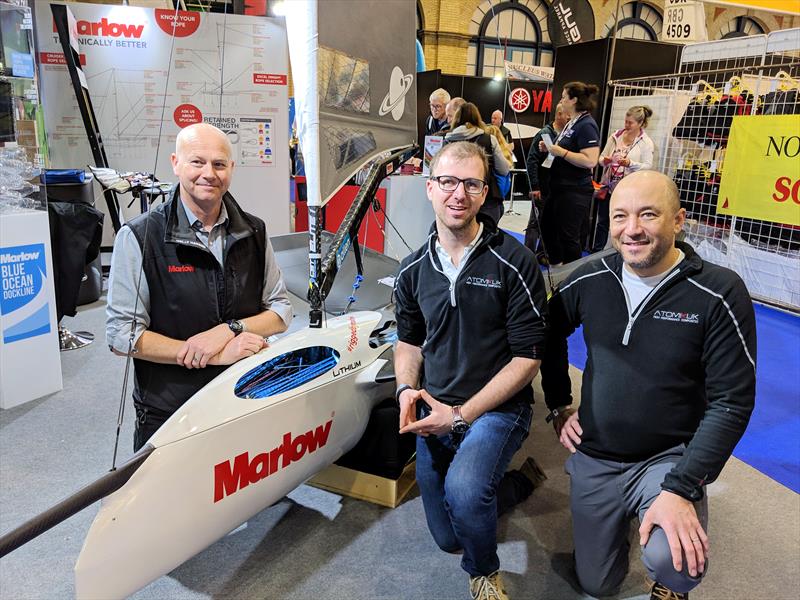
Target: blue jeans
(459,485)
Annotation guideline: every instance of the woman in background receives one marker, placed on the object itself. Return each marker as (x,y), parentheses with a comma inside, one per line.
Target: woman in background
(627,150)
(468,126)
(505,147)
(574,155)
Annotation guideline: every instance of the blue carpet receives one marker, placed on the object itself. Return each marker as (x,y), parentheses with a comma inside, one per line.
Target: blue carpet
(771,443)
(519,236)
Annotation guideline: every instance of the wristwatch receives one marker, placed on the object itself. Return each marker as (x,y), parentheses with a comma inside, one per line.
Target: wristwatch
(460,426)
(400,390)
(556,412)
(236,326)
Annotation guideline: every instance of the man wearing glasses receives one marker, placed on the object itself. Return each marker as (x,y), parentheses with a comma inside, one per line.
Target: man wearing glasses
(436,120)
(470,310)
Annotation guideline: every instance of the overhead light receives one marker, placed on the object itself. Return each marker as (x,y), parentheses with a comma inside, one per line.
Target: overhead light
(278,8)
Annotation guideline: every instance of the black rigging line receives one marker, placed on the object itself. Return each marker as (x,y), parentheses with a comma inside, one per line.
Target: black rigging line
(524,153)
(131,343)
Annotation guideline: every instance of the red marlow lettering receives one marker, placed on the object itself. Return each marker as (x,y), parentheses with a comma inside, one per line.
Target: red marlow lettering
(230,478)
(281,451)
(320,436)
(259,467)
(132,30)
(299,445)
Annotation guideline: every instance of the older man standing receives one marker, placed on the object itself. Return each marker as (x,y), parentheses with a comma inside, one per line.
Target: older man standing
(209,289)
(436,120)
(667,392)
(450,113)
(469,308)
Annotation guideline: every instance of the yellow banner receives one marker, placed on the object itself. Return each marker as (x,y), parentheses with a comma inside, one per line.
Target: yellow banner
(781,6)
(761,171)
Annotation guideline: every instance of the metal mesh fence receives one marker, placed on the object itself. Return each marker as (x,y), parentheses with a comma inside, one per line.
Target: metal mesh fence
(692,115)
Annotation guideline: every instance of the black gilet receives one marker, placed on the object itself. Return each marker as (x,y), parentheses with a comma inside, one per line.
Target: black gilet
(190,292)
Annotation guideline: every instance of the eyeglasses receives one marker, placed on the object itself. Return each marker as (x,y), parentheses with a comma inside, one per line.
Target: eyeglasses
(448,183)
(437,106)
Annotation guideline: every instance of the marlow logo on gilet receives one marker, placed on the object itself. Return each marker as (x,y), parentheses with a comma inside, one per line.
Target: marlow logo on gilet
(487,282)
(680,317)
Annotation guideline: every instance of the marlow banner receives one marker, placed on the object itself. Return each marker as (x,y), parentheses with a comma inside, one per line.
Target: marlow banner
(761,171)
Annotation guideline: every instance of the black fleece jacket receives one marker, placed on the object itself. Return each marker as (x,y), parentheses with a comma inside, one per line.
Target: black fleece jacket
(680,370)
(471,330)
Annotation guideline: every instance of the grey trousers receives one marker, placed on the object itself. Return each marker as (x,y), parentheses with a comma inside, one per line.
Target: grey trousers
(604,497)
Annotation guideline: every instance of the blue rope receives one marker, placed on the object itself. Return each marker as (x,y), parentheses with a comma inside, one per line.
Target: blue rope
(286,372)
(356,284)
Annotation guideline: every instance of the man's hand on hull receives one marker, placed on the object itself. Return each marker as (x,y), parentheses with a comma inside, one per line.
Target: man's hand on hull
(243,345)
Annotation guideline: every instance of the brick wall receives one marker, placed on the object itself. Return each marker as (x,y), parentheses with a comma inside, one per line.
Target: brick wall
(447,26)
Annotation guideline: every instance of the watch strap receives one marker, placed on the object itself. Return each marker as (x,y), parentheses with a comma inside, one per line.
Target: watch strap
(555,413)
(400,390)
(236,327)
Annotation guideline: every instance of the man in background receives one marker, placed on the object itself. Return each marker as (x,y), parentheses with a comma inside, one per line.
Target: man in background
(450,112)
(436,120)
(497,121)
(539,178)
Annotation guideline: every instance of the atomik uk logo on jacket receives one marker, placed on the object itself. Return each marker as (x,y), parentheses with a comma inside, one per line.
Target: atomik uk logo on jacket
(679,317)
(487,282)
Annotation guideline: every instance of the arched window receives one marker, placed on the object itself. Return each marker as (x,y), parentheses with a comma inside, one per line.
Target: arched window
(740,27)
(514,30)
(637,21)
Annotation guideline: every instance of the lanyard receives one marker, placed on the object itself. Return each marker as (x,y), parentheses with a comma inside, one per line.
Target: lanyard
(636,141)
(570,125)
(616,172)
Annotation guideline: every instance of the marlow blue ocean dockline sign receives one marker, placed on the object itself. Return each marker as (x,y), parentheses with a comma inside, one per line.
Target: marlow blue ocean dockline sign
(23,273)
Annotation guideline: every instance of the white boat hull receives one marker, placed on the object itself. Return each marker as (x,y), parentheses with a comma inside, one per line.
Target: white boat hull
(221,459)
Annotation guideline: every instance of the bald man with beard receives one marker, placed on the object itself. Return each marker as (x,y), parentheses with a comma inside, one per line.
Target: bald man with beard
(667,392)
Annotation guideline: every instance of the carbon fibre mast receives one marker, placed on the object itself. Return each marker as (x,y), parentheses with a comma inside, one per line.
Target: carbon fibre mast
(347,234)
(355,94)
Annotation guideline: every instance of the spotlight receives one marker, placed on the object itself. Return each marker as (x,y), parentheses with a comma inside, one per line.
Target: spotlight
(278,8)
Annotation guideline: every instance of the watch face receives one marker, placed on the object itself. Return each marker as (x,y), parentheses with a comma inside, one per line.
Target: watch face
(236,326)
(460,427)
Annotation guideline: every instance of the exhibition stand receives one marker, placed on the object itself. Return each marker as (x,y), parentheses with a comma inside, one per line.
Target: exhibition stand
(725,129)
(30,364)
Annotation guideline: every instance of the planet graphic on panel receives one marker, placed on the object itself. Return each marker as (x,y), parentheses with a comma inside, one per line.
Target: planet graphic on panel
(394,101)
